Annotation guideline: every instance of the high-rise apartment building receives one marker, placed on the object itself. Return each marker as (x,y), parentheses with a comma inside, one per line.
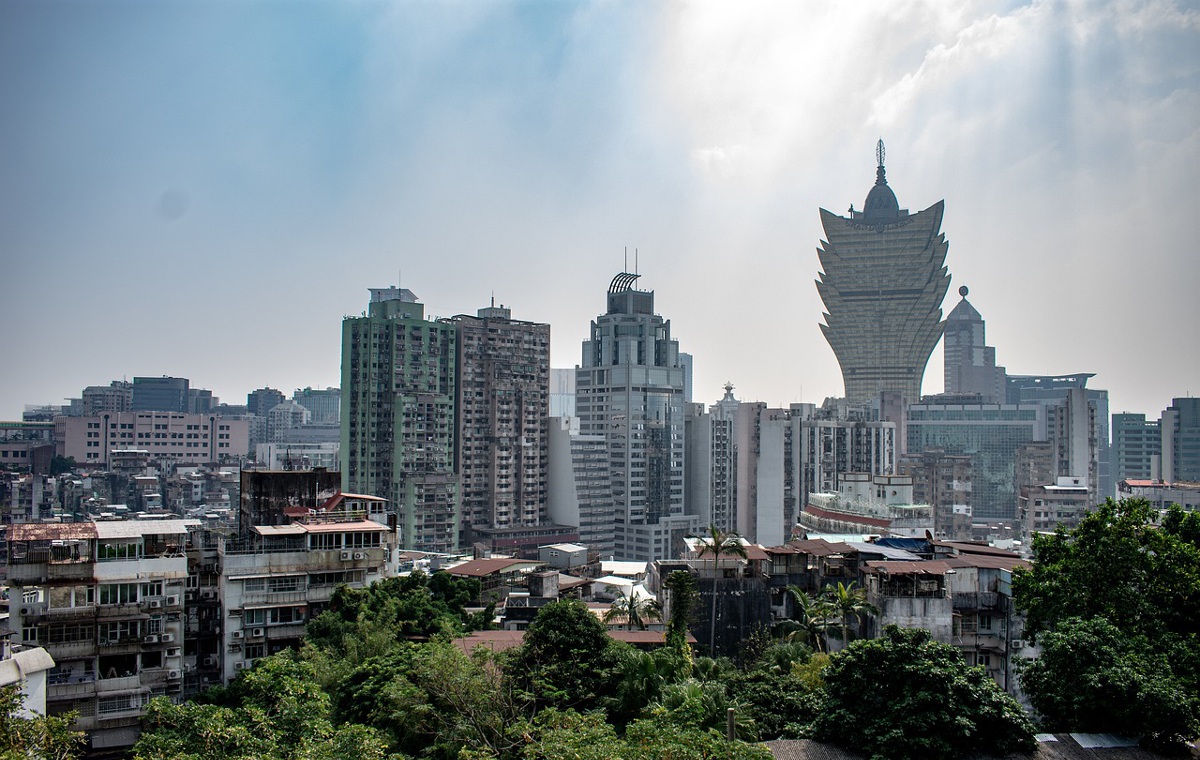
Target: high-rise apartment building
(502,402)
(630,388)
(117,396)
(398,427)
(263,400)
(580,486)
(883,281)
(970,364)
(1051,391)
(711,465)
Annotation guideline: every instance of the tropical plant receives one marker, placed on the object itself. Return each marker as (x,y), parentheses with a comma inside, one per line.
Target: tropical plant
(48,737)
(683,595)
(847,601)
(718,544)
(634,609)
(567,659)
(811,621)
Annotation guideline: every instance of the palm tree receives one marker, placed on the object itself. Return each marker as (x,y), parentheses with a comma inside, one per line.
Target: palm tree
(848,601)
(718,543)
(636,610)
(811,617)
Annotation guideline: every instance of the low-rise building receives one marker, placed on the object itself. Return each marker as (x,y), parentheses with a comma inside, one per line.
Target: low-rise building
(105,599)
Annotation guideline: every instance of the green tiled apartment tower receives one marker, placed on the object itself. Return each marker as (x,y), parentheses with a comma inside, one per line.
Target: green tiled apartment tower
(398,377)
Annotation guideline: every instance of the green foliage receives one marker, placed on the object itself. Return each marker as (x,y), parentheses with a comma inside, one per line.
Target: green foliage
(907,696)
(366,622)
(779,704)
(846,602)
(635,610)
(718,544)
(567,659)
(47,737)
(557,735)
(685,595)
(641,678)
(1138,586)
(60,464)
(812,620)
(1092,677)
(274,710)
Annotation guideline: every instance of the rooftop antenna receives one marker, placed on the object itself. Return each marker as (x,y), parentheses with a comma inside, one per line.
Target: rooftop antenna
(626,267)
(493,299)
(635,261)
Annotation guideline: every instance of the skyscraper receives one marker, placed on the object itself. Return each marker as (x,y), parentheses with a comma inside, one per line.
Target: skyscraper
(630,388)
(502,406)
(970,364)
(1180,427)
(1137,447)
(882,283)
(398,431)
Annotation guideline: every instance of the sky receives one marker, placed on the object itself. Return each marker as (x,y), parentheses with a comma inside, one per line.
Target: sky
(205,189)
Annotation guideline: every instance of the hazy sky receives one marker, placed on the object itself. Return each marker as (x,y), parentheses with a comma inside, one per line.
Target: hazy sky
(205,189)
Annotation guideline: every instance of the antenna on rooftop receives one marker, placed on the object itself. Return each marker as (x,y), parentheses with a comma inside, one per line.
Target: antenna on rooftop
(635,261)
(626,267)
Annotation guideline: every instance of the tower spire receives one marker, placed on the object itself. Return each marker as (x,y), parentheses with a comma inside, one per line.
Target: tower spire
(880,156)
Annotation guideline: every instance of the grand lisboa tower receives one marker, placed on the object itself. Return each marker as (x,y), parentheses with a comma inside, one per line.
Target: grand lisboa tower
(882,281)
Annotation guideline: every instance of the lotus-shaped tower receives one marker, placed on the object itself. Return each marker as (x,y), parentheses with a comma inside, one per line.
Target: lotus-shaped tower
(883,279)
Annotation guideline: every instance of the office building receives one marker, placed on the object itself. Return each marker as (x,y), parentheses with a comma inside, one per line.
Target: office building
(325,405)
(160,394)
(398,426)
(1137,447)
(1048,391)
(502,406)
(183,438)
(990,434)
(579,485)
(1180,426)
(882,282)
(117,396)
(970,364)
(630,388)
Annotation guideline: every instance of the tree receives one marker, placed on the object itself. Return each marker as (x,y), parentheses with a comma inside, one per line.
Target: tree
(718,544)
(635,610)
(60,464)
(905,696)
(1137,584)
(846,601)
(47,737)
(567,658)
(1091,677)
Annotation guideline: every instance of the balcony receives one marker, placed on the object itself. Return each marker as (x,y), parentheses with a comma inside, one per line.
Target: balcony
(987,600)
(124,683)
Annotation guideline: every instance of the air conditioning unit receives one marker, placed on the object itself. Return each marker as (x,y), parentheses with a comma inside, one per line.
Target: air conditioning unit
(208,594)
(173,601)
(235,635)
(1017,644)
(173,675)
(174,652)
(155,604)
(360,555)
(29,610)
(239,666)
(151,639)
(167,638)
(258,633)
(346,556)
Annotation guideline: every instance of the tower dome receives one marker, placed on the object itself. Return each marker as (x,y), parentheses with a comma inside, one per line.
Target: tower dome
(881,206)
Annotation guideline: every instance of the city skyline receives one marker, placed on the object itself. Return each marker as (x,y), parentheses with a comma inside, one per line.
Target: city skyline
(204,191)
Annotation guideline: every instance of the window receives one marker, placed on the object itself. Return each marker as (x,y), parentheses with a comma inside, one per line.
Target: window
(119,593)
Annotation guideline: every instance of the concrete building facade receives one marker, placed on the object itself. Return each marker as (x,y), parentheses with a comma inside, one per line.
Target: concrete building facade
(184,438)
(970,364)
(398,423)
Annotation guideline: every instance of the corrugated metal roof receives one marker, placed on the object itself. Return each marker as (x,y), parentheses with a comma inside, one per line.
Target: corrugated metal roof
(341,527)
(279,530)
(138,528)
(478,568)
(924,567)
(51,531)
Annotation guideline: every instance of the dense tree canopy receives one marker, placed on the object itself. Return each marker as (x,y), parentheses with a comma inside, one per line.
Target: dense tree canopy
(1115,604)
(905,696)
(48,737)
